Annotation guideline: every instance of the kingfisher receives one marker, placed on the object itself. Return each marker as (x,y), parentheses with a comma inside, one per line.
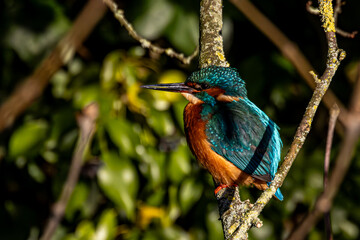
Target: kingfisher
(226,132)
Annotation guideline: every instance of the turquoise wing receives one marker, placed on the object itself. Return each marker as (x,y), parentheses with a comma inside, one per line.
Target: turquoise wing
(244,135)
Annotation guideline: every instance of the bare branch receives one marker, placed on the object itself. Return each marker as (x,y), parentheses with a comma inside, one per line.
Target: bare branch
(119,15)
(337,10)
(311,9)
(34,85)
(86,121)
(334,113)
(346,34)
(355,99)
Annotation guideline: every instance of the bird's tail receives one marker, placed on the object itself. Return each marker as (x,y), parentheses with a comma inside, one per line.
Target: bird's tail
(279,195)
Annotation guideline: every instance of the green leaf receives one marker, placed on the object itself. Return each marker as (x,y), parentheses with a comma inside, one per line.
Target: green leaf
(157,197)
(37,43)
(59,83)
(109,69)
(179,112)
(77,200)
(283,62)
(86,95)
(184,37)
(214,225)
(190,193)
(36,173)
(174,209)
(153,166)
(179,164)
(122,133)
(155,20)
(119,181)
(27,137)
(161,122)
(50,156)
(106,228)
(85,230)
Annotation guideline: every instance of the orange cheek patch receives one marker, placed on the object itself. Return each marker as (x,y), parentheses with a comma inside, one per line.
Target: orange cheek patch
(214,91)
(226,98)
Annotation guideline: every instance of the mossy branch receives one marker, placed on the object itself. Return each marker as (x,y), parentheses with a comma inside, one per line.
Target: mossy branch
(211,41)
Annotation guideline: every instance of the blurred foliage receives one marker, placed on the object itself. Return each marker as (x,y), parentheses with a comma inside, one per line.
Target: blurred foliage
(139,180)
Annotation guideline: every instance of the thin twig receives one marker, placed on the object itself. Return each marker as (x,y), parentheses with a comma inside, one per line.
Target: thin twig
(119,15)
(337,10)
(34,85)
(346,34)
(354,105)
(311,9)
(86,121)
(334,113)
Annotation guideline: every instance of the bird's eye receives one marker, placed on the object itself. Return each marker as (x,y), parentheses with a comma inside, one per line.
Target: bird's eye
(204,86)
(199,86)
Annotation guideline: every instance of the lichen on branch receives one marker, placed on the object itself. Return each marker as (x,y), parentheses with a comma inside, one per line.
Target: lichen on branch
(327,15)
(211,41)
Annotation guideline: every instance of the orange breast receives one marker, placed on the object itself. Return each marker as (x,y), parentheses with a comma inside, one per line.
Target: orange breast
(222,170)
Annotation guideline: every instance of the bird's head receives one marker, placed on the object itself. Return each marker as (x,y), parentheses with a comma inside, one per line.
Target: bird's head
(208,85)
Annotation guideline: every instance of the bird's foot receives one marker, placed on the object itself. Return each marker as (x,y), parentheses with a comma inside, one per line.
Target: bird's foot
(222,186)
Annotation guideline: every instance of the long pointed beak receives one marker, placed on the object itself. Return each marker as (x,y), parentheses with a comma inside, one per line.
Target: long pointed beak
(171,87)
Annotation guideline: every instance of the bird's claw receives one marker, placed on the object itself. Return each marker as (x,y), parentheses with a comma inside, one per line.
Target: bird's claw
(222,186)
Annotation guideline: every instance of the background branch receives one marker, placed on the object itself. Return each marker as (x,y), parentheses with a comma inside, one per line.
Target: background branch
(33,86)
(86,121)
(334,113)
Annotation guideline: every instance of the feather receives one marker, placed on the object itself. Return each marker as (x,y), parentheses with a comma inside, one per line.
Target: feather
(244,135)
